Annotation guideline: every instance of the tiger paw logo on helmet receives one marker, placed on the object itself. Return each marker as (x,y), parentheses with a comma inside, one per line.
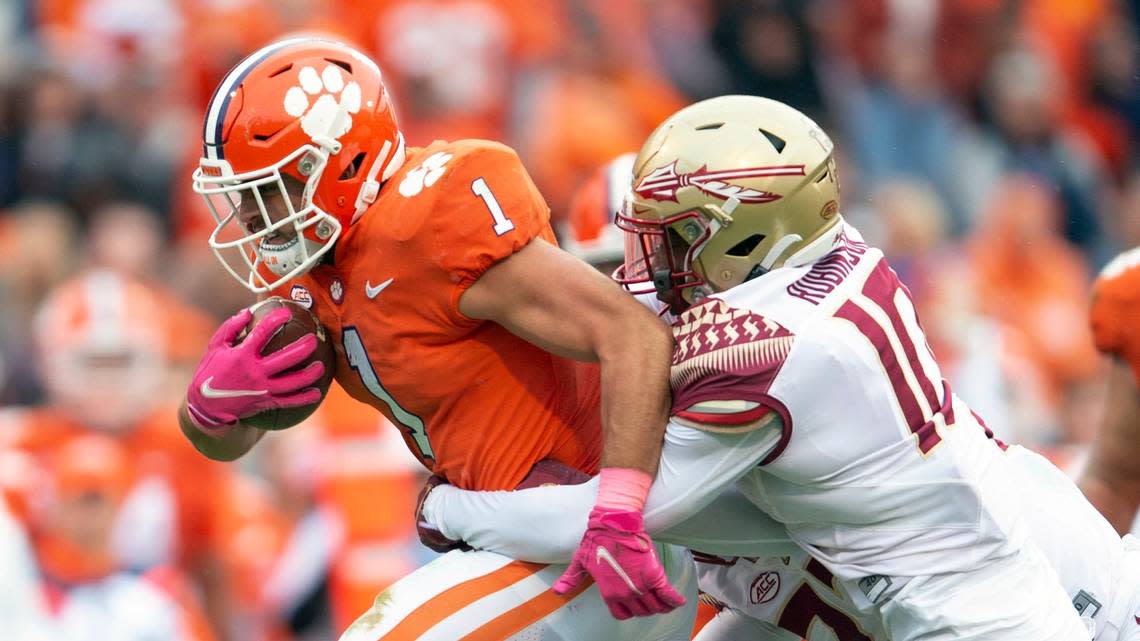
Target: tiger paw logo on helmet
(425,175)
(332,95)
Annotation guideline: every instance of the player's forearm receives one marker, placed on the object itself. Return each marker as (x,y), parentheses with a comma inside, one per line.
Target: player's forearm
(230,446)
(635,392)
(541,525)
(545,524)
(1110,479)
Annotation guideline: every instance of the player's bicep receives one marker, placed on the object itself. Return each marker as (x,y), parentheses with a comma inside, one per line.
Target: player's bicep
(1112,454)
(1110,480)
(553,300)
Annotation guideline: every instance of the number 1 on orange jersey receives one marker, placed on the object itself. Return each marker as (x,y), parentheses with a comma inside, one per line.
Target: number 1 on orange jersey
(502,224)
(358,361)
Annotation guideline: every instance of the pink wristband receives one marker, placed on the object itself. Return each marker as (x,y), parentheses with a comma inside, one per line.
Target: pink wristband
(622,488)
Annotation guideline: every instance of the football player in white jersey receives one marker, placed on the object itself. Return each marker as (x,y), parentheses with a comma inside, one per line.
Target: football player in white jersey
(802,376)
(794,596)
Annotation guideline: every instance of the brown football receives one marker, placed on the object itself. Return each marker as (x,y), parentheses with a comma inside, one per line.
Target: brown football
(303,322)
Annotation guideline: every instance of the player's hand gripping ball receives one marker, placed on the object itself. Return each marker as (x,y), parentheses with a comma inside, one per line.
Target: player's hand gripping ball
(302,323)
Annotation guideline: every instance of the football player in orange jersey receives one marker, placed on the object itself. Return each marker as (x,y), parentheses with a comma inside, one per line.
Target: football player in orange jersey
(103,346)
(1111,479)
(73,526)
(453,313)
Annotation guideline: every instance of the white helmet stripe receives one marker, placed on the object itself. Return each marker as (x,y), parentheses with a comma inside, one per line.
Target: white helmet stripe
(216,114)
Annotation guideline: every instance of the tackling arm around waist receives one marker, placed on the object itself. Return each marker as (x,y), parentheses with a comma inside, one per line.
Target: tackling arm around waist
(545,524)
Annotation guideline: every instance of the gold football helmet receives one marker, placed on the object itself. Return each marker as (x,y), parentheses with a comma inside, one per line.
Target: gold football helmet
(723,191)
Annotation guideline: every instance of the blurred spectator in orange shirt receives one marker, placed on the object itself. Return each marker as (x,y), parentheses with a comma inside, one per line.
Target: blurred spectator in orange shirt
(1109,86)
(1026,134)
(1063,30)
(451,65)
(591,107)
(104,344)
(89,594)
(1026,275)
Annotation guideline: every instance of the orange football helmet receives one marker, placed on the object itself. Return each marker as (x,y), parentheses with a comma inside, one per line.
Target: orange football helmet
(589,231)
(100,347)
(307,111)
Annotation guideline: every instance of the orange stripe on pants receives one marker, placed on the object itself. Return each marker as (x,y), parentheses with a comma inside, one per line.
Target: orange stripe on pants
(518,618)
(457,597)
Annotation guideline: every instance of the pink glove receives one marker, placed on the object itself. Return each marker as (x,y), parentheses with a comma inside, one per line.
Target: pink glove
(617,552)
(235,381)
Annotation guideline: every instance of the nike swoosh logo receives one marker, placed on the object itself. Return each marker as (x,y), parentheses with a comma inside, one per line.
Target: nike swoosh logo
(210,392)
(373,291)
(604,555)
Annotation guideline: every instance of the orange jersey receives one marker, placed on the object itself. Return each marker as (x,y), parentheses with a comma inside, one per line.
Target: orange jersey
(476,403)
(174,485)
(1115,312)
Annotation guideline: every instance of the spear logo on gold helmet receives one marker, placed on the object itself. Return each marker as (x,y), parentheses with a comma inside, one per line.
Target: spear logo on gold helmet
(725,190)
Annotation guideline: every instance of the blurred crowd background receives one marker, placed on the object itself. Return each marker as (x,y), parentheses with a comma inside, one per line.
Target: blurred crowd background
(986,145)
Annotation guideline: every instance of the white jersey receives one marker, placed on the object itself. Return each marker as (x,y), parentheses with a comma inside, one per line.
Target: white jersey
(1099,571)
(795,593)
(882,473)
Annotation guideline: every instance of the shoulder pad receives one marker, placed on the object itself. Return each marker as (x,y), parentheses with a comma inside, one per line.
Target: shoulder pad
(450,162)
(467,205)
(723,364)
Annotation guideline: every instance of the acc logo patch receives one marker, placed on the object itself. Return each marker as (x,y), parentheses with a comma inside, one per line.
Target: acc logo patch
(764,587)
(301,296)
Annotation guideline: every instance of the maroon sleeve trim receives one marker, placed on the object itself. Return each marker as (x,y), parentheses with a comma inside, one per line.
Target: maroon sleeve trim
(785,436)
(736,418)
